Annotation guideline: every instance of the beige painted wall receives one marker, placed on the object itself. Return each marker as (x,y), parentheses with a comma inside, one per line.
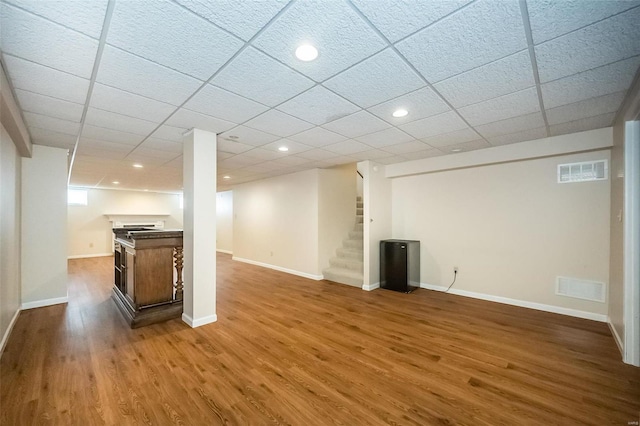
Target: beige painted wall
(224,217)
(276,222)
(10,172)
(89,230)
(510,228)
(616,258)
(44,236)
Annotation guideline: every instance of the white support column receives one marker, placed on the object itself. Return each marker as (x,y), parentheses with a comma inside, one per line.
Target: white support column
(199,235)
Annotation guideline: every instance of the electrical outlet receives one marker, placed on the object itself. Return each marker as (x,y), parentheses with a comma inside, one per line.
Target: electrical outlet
(455,269)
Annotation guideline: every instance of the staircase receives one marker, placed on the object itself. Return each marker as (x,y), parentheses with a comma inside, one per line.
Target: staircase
(347,267)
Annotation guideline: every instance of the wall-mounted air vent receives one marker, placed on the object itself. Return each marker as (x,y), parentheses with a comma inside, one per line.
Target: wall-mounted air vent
(583,172)
(581,289)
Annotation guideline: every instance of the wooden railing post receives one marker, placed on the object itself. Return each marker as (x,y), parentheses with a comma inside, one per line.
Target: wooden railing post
(179,262)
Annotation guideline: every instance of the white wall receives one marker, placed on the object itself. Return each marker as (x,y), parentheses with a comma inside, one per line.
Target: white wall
(44,236)
(276,223)
(89,230)
(510,228)
(224,219)
(10,172)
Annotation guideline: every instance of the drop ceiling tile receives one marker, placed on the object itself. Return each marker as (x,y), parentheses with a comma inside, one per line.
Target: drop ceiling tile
(262,154)
(317,137)
(358,124)
(170,133)
(176,163)
(317,154)
(427,153)
(590,84)
(511,125)
(597,122)
(162,145)
(222,104)
(347,147)
(46,105)
(394,159)
(372,154)
(238,161)
(498,78)
(146,151)
(336,161)
(110,135)
(406,147)
(453,45)
(398,19)
(173,37)
(126,103)
(584,109)
(38,40)
(507,106)
(318,106)
(223,155)
(375,80)
(244,19)
(111,120)
(256,76)
(51,123)
(341,36)
(85,17)
(194,120)
(287,161)
(233,147)
(551,19)
(434,125)
(49,138)
(452,138)
(527,135)
(419,104)
(294,147)
(141,157)
(136,75)
(391,136)
(608,41)
(248,136)
(278,123)
(466,146)
(94,150)
(37,79)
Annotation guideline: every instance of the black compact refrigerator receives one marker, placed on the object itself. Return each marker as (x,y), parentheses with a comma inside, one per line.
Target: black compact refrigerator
(400,265)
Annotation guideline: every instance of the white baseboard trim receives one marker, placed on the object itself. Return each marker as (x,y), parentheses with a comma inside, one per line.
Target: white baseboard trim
(616,336)
(85,256)
(369,287)
(193,323)
(224,251)
(7,333)
(43,303)
(522,303)
(279,268)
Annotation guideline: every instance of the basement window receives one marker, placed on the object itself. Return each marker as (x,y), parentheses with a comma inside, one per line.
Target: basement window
(77,197)
(583,172)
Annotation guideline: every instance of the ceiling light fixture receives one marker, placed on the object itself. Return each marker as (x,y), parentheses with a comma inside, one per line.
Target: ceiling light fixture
(283,149)
(226,177)
(400,113)
(138,166)
(306,52)
(456,150)
(115,182)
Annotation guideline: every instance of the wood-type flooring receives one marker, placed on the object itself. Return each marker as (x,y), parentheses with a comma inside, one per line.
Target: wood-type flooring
(291,351)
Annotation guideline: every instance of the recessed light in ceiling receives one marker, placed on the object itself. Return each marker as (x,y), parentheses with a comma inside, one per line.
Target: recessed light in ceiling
(400,113)
(456,150)
(283,149)
(226,177)
(115,182)
(306,52)
(138,166)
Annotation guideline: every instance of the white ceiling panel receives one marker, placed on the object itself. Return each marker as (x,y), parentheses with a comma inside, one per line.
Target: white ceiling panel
(162,145)
(173,37)
(372,154)
(237,162)
(38,40)
(232,146)
(176,163)
(317,154)
(54,107)
(398,19)
(94,150)
(136,75)
(375,80)
(263,154)
(427,153)
(590,84)
(110,135)
(400,158)
(256,76)
(604,120)
(37,78)
(148,160)
(317,137)
(333,27)
(358,124)
(347,147)
(453,45)
(111,120)
(190,120)
(49,138)
(608,41)
(83,16)
(406,147)
(51,123)
(550,18)
(391,136)
(248,136)
(465,146)
(507,106)
(278,123)
(318,106)
(498,78)
(116,100)
(584,109)
(435,125)
(242,18)
(170,133)
(288,161)
(419,104)
(216,102)
(526,135)
(511,125)
(294,147)
(452,138)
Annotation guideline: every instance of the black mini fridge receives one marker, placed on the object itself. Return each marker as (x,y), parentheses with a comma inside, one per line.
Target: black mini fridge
(400,265)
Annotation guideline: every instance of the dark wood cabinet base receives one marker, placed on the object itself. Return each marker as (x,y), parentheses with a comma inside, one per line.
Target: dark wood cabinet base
(145,316)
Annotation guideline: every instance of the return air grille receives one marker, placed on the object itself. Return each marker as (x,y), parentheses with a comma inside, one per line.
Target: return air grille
(580,289)
(583,172)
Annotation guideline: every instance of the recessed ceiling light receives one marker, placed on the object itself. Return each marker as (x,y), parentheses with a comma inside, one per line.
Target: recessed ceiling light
(283,149)
(115,182)
(138,166)
(146,190)
(456,150)
(400,113)
(226,177)
(306,52)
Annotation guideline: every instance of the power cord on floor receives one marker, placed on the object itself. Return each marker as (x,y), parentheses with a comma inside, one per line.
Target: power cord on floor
(455,275)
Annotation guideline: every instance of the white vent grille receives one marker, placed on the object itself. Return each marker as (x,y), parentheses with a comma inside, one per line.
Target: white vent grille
(583,172)
(581,289)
